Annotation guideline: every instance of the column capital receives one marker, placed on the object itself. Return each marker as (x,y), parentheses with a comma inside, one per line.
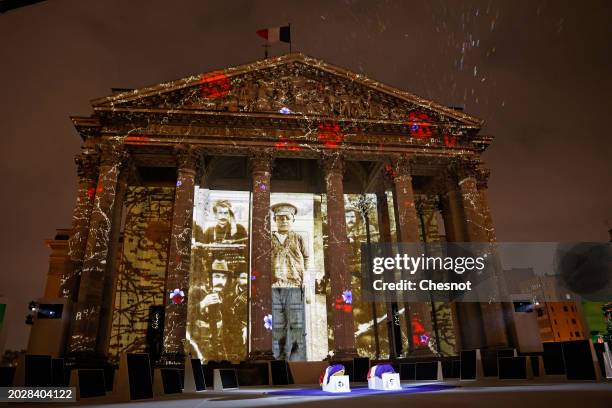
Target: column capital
(399,166)
(188,157)
(112,153)
(332,162)
(463,168)
(482,177)
(261,160)
(87,164)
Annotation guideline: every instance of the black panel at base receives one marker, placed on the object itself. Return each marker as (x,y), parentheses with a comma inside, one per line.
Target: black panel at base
(407,371)
(426,371)
(553,359)
(198,374)
(468,365)
(228,378)
(171,379)
(38,371)
(139,372)
(280,372)
(512,368)
(361,366)
(578,360)
(91,383)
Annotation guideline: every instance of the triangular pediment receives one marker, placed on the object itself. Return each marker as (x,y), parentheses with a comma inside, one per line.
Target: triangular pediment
(292,84)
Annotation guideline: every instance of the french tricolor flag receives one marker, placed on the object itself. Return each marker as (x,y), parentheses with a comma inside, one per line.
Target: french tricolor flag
(276,34)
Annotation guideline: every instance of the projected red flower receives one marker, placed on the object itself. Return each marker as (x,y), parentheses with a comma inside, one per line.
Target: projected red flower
(420,125)
(342,305)
(450,140)
(91,192)
(214,85)
(419,335)
(330,134)
(286,144)
(137,138)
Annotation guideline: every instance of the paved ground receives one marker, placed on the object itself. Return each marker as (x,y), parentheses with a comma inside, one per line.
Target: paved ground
(488,394)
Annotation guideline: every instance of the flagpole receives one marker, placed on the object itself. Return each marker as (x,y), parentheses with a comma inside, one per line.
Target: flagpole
(289,38)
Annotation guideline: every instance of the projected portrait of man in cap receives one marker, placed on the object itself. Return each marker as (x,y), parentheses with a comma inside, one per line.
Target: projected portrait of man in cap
(289,263)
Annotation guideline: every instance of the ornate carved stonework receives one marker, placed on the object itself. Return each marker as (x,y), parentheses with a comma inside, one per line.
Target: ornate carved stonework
(332,162)
(261,160)
(87,164)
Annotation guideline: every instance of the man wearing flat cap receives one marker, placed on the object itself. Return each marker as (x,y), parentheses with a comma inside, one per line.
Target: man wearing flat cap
(289,263)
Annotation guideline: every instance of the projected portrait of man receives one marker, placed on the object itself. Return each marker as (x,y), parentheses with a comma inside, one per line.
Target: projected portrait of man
(215,312)
(226,230)
(289,263)
(238,322)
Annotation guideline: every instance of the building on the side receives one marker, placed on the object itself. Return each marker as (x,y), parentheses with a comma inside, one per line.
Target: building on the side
(210,206)
(558,319)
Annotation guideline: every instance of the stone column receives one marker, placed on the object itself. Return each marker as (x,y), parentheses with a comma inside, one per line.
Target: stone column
(87,170)
(482,184)
(492,315)
(340,276)
(260,164)
(86,323)
(384,226)
(114,259)
(409,231)
(179,255)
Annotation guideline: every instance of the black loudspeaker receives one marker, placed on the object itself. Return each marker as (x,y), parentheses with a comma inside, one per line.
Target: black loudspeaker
(38,371)
(198,374)
(361,366)
(280,372)
(553,359)
(91,383)
(407,371)
(468,365)
(155,332)
(578,360)
(7,375)
(426,371)
(139,372)
(58,372)
(171,379)
(512,368)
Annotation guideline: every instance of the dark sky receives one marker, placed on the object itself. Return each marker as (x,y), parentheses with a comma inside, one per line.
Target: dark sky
(539,73)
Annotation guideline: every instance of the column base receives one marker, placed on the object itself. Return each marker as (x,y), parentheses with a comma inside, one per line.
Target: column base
(421,352)
(85,360)
(172,359)
(260,356)
(345,354)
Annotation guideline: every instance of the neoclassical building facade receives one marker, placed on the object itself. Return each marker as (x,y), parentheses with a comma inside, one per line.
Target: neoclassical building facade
(280,129)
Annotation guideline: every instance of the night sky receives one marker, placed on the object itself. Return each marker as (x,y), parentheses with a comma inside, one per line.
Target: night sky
(538,72)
